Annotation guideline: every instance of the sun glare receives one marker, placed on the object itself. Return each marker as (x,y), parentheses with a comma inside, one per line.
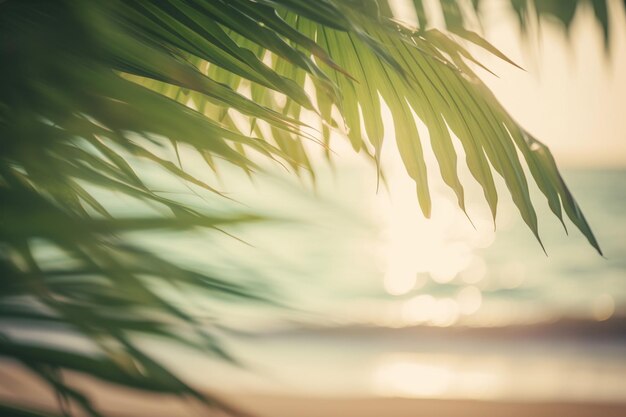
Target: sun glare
(411,376)
(441,247)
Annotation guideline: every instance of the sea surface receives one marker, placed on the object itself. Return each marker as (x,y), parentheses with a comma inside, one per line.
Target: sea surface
(385,303)
(372,299)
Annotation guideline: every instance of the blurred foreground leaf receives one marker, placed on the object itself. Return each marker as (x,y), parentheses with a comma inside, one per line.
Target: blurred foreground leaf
(91,90)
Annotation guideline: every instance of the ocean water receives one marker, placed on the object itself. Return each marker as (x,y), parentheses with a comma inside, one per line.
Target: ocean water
(374,300)
(354,257)
(506,279)
(451,311)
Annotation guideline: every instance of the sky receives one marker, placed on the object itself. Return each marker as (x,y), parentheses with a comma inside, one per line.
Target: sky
(572,95)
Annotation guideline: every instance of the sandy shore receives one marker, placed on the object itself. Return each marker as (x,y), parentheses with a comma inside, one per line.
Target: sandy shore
(119,402)
(266,406)
(372,407)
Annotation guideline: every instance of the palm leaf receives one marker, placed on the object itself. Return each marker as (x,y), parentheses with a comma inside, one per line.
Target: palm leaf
(461,16)
(92,91)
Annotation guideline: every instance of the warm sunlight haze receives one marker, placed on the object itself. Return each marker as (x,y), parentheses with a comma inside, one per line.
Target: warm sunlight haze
(302,209)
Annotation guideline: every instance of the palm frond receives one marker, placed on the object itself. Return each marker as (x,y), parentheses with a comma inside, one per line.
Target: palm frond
(462,17)
(91,90)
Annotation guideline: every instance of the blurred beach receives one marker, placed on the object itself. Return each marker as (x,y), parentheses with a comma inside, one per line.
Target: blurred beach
(493,322)
(499,328)
(376,311)
(464,321)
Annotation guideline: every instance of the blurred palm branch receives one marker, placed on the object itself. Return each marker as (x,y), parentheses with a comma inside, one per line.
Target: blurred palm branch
(92,89)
